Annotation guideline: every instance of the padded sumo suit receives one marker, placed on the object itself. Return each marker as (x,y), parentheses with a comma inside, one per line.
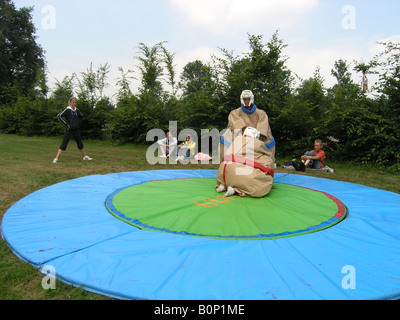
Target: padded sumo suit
(262,150)
(247,166)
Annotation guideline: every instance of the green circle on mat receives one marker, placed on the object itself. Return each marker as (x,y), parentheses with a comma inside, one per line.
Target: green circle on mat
(192,207)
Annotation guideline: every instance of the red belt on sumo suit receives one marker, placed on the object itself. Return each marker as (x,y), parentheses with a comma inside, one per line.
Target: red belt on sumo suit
(247,162)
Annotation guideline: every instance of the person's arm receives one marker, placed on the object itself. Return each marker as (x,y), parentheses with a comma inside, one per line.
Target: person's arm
(312,157)
(162,141)
(235,124)
(173,142)
(183,145)
(60,116)
(319,156)
(192,147)
(264,128)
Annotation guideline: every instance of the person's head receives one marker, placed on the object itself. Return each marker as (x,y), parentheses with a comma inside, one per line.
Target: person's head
(169,135)
(318,145)
(247,98)
(188,138)
(72,102)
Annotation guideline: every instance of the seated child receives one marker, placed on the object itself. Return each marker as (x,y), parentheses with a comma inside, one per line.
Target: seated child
(167,145)
(246,168)
(187,149)
(314,159)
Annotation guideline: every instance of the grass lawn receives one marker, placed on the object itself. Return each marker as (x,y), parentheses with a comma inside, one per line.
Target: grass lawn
(26,166)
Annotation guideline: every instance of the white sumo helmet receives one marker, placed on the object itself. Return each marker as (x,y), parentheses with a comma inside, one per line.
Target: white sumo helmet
(252,132)
(247,94)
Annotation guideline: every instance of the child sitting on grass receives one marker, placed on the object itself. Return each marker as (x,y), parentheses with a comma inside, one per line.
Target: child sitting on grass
(313,159)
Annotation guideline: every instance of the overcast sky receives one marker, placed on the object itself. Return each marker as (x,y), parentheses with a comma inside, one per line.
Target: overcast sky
(75,33)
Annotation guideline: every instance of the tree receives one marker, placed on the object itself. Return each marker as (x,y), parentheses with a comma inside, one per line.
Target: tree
(341,73)
(63,89)
(151,68)
(312,92)
(389,86)
(262,70)
(345,94)
(124,82)
(169,65)
(21,58)
(92,85)
(195,77)
(197,106)
(230,78)
(154,104)
(270,78)
(364,69)
(389,80)
(41,89)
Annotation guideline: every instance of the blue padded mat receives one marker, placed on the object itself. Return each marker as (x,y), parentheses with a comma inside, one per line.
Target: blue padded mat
(68,227)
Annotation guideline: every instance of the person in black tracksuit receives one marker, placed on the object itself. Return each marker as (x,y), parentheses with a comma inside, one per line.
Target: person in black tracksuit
(72,119)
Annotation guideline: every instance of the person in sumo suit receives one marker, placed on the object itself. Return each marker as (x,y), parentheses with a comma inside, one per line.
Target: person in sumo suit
(246,168)
(248,115)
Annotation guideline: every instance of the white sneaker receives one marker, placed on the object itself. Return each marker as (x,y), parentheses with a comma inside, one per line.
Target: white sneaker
(162,156)
(55,160)
(87,158)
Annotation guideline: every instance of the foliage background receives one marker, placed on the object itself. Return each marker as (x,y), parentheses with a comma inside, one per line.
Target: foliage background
(355,125)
